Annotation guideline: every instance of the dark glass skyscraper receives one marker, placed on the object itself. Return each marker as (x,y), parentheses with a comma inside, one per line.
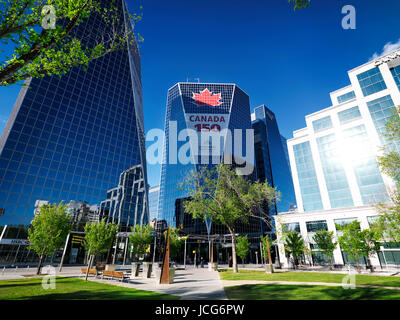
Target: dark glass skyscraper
(70,137)
(271,157)
(202,108)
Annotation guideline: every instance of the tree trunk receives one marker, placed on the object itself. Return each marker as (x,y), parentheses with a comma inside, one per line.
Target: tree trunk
(89,266)
(40,264)
(268,251)
(331,263)
(358,266)
(234,258)
(370,265)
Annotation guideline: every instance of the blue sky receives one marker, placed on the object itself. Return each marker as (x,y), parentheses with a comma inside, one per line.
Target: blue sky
(288,60)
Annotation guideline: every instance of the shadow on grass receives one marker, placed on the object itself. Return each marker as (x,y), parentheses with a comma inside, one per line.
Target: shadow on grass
(289,292)
(74,289)
(102,295)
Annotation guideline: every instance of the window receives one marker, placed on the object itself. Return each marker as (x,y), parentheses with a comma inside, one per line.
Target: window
(345,97)
(309,188)
(371,81)
(295,226)
(322,124)
(343,222)
(314,226)
(360,154)
(381,111)
(396,75)
(335,176)
(349,115)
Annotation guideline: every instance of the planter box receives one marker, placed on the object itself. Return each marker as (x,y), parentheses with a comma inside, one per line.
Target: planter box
(135,270)
(147,269)
(111,267)
(213,266)
(269,268)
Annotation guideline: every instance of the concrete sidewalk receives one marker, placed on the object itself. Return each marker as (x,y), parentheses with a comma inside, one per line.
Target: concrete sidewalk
(190,284)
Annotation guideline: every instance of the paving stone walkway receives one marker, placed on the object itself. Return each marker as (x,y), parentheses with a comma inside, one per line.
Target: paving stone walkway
(189,284)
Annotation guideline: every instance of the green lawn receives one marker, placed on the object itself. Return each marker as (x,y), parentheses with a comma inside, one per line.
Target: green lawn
(72,289)
(289,292)
(388,281)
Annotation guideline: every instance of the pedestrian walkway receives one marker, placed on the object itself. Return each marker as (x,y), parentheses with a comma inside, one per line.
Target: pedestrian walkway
(190,284)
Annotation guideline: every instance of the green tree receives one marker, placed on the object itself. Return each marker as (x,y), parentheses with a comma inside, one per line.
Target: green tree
(223,196)
(299,4)
(387,225)
(325,242)
(358,243)
(48,231)
(242,247)
(98,238)
(294,246)
(175,242)
(390,161)
(42,48)
(141,239)
(266,248)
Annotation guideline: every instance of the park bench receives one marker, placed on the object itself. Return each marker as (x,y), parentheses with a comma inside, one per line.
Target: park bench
(107,274)
(91,272)
(120,275)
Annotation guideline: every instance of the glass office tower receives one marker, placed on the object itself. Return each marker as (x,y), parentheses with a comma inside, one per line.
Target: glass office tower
(203,108)
(126,204)
(70,137)
(153,202)
(271,157)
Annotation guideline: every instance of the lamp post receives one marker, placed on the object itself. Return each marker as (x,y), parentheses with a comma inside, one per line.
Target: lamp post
(184,257)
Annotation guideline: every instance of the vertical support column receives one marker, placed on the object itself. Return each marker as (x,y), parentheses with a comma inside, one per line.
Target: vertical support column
(115,250)
(125,250)
(184,257)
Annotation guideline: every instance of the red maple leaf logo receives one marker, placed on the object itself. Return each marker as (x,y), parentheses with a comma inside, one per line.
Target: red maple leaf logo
(207,98)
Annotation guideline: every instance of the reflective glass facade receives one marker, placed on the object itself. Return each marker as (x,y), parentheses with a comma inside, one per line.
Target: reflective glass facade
(381,111)
(153,202)
(70,137)
(362,157)
(349,115)
(396,75)
(271,157)
(371,81)
(307,176)
(126,204)
(185,111)
(335,176)
(346,97)
(322,124)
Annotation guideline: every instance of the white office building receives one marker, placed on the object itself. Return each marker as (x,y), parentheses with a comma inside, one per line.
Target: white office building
(333,159)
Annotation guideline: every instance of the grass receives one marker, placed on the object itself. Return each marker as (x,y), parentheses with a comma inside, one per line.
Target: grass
(292,292)
(388,281)
(73,289)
